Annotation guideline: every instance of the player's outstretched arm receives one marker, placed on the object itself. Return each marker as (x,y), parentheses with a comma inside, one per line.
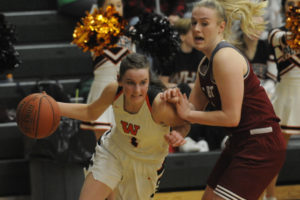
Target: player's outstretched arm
(90,112)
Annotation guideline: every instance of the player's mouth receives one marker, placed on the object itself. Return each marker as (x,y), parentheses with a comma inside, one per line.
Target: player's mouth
(198,39)
(136,96)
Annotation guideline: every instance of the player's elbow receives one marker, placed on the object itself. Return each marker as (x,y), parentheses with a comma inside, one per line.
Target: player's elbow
(234,123)
(233,120)
(90,115)
(92,118)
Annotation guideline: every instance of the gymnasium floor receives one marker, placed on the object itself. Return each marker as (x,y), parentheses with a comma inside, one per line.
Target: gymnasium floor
(290,192)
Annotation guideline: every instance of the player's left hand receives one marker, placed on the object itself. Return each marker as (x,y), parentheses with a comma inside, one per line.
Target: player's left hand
(174,139)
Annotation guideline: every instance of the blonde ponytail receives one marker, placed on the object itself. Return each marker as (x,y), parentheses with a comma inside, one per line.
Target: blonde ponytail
(238,10)
(244,11)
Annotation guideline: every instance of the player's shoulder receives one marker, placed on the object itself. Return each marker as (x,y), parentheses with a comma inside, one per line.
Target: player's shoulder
(153,92)
(227,54)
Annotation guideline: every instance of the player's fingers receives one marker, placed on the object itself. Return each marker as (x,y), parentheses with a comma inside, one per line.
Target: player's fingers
(174,92)
(166,95)
(167,137)
(163,96)
(177,139)
(170,138)
(181,98)
(184,96)
(179,142)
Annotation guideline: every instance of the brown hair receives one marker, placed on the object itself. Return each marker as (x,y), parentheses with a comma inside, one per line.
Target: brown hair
(139,61)
(182,26)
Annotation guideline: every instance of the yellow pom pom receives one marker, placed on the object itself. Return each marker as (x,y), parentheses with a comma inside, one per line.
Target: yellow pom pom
(99,30)
(293,25)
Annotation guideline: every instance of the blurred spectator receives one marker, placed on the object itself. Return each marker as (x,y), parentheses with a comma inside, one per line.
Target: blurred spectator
(76,8)
(273,16)
(286,95)
(275,13)
(259,54)
(173,9)
(106,68)
(182,70)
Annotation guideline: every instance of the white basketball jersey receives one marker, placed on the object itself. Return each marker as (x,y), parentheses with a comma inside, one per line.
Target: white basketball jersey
(137,134)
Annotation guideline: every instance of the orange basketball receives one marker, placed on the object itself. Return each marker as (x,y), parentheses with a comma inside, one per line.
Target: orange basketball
(38,115)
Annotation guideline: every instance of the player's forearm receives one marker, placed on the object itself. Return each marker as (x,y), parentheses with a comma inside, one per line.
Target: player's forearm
(183,130)
(75,111)
(213,118)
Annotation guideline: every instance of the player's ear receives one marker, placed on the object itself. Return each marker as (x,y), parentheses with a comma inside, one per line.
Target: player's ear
(222,26)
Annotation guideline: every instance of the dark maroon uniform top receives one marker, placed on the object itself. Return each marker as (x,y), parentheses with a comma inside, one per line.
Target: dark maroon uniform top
(257,110)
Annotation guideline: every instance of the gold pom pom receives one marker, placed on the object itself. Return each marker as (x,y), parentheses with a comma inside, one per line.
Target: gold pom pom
(99,30)
(293,25)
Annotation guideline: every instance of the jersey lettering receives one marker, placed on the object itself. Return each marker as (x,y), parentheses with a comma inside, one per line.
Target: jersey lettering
(183,77)
(130,128)
(134,142)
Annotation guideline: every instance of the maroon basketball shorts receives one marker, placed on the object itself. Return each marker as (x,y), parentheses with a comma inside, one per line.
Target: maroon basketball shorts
(248,163)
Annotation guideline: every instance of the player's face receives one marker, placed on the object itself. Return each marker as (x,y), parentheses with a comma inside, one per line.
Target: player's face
(117,4)
(135,83)
(189,38)
(207,28)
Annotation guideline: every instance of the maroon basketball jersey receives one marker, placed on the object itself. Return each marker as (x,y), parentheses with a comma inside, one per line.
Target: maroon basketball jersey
(257,110)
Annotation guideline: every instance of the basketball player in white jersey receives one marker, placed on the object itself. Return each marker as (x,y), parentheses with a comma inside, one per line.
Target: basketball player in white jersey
(129,158)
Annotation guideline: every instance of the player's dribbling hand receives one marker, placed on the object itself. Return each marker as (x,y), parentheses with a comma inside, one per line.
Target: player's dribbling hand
(174,139)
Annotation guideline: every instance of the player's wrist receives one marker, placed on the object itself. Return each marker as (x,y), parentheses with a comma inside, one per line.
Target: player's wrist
(187,116)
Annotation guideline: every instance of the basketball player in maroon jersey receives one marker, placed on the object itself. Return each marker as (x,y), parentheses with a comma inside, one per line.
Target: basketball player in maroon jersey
(255,150)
